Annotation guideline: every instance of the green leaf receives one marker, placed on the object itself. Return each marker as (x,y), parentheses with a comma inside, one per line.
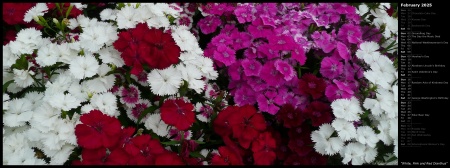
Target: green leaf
(145,112)
(170,143)
(196,154)
(5,86)
(68,10)
(392,159)
(199,142)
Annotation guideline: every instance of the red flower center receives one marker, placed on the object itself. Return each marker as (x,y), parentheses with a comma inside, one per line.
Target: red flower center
(98,127)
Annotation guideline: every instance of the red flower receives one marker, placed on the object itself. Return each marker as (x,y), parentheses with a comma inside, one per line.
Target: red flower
(188,146)
(301,144)
(319,113)
(313,158)
(142,45)
(97,130)
(222,123)
(126,143)
(178,113)
(290,117)
(247,124)
(225,157)
(149,149)
(13,13)
(164,50)
(312,85)
(169,158)
(100,156)
(263,148)
(10,36)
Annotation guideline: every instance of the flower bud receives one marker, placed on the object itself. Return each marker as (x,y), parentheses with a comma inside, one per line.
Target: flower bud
(55,21)
(36,18)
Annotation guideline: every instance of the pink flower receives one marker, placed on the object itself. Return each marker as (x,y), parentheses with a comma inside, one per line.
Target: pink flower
(350,33)
(129,96)
(244,13)
(241,40)
(256,83)
(333,92)
(271,75)
(282,42)
(266,102)
(235,70)
(343,51)
(331,68)
(244,95)
(251,67)
(221,39)
(298,54)
(209,24)
(225,55)
(285,69)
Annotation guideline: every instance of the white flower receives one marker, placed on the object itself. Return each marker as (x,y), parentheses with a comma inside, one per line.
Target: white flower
(396,148)
(325,144)
(125,18)
(366,135)
(134,112)
(25,156)
(79,91)
(8,57)
(362,9)
(73,23)
(111,55)
(60,84)
(393,131)
(84,67)
(106,102)
(155,124)
(38,10)
(64,101)
(13,130)
(143,13)
(373,105)
(30,36)
(347,109)
(87,108)
(158,22)
(59,157)
(93,38)
(19,48)
(23,78)
(20,111)
(387,103)
(206,66)
(44,118)
(5,101)
(165,82)
(354,151)
(384,136)
(35,98)
(346,130)
(66,54)
(8,77)
(79,6)
(102,83)
(379,15)
(12,144)
(108,14)
(184,38)
(370,154)
(391,26)
(395,91)
(193,76)
(47,55)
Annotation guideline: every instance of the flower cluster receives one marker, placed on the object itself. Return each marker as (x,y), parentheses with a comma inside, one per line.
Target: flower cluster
(200,83)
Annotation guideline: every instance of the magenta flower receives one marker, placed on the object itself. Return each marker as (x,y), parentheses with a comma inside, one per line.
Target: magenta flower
(370,33)
(129,96)
(225,55)
(271,75)
(285,69)
(334,92)
(258,29)
(251,67)
(282,42)
(266,102)
(235,70)
(244,13)
(324,41)
(331,68)
(240,40)
(269,9)
(343,51)
(221,39)
(299,55)
(209,24)
(256,83)
(353,71)
(269,51)
(245,95)
(350,33)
